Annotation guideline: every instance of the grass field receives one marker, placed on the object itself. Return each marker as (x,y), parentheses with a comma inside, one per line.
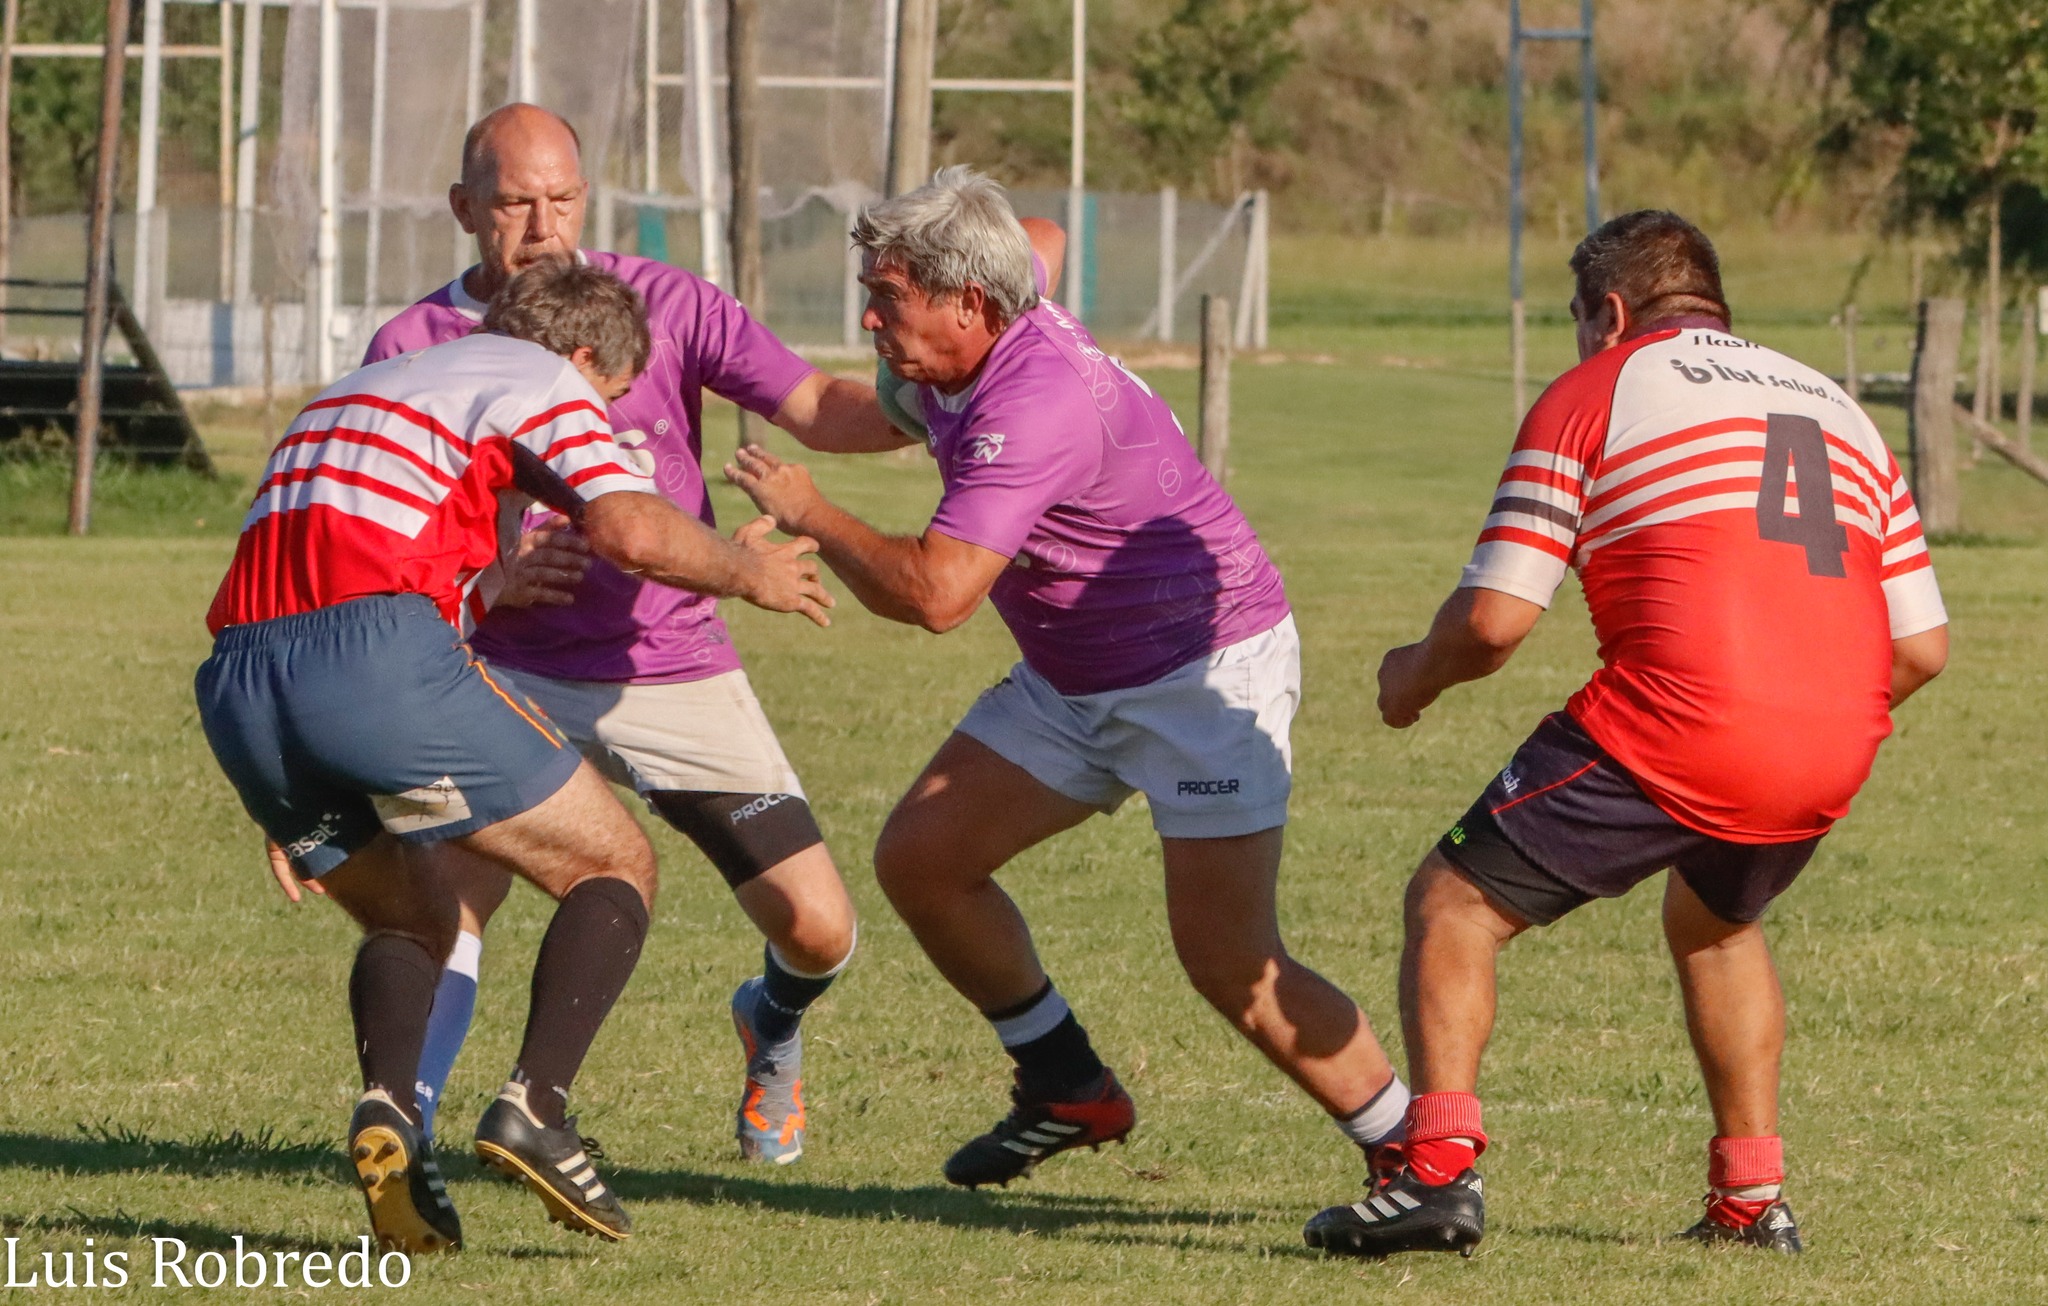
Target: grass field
(176,1047)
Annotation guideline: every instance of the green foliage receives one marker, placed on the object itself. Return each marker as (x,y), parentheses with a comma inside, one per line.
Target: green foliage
(1958,86)
(1203,87)
(55,115)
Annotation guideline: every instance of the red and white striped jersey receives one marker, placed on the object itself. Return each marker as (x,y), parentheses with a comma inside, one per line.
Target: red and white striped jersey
(387,482)
(1748,550)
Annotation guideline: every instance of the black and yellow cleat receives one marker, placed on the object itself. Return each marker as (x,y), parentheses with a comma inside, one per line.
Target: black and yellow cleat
(553,1163)
(394,1164)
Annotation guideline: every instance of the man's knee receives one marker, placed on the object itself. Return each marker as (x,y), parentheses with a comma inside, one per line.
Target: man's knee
(1440,896)
(904,859)
(1234,974)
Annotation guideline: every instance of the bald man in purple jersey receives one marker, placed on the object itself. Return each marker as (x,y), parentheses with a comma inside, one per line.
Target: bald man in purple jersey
(1159,655)
(644,679)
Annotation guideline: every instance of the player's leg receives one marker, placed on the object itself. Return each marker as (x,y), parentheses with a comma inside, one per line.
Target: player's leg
(1735,1015)
(1561,825)
(768,848)
(1209,745)
(964,817)
(1221,906)
(480,888)
(408,917)
(705,758)
(580,847)
(308,716)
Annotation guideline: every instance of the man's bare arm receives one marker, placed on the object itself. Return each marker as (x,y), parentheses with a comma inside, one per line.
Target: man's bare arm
(648,536)
(1475,632)
(834,415)
(1917,659)
(932,580)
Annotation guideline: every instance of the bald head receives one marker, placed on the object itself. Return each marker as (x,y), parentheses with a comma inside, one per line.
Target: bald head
(520,131)
(521,194)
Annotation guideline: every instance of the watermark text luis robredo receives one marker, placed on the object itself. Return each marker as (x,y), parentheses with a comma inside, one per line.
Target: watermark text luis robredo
(171,1263)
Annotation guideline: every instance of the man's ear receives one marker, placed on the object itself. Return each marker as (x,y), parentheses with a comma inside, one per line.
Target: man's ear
(1617,320)
(458,204)
(971,304)
(580,357)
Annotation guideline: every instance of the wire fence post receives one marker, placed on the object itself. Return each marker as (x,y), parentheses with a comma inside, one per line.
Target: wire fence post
(743,143)
(10,28)
(1936,350)
(1852,384)
(2030,351)
(99,268)
(1212,441)
(1169,257)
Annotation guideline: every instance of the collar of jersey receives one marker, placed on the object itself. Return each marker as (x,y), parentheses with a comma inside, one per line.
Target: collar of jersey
(469,305)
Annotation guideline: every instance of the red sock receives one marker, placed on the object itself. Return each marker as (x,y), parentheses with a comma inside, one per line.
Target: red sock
(1444,1137)
(1740,1163)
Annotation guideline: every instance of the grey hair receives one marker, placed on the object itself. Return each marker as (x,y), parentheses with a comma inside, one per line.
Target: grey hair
(955,231)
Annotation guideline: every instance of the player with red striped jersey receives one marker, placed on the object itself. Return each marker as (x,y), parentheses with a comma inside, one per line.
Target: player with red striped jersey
(379,754)
(1764,600)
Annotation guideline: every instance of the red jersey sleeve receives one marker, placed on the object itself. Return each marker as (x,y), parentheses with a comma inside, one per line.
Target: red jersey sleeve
(572,435)
(1911,597)
(1532,528)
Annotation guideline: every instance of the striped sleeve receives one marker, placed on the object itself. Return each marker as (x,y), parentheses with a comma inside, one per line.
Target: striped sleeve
(1530,532)
(1906,570)
(574,438)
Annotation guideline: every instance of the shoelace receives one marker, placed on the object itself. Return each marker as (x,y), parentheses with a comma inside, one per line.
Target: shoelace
(591,1147)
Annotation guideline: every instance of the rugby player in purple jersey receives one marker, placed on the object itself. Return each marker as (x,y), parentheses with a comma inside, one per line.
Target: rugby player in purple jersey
(643,678)
(1159,655)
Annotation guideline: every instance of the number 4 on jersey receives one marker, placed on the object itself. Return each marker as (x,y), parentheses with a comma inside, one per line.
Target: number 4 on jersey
(1795,447)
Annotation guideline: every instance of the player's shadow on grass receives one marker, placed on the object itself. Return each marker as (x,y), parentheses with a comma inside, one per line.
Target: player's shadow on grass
(1011,1210)
(115,1149)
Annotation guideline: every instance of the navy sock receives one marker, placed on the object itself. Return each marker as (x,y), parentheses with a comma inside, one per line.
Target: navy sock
(1054,1057)
(448,1027)
(785,996)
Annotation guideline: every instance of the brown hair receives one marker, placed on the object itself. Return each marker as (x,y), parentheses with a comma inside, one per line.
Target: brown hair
(1660,264)
(563,307)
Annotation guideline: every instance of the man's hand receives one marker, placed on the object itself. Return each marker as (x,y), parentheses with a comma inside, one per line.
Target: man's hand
(1474,634)
(782,490)
(1404,693)
(546,568)
(785,576)
(287,878)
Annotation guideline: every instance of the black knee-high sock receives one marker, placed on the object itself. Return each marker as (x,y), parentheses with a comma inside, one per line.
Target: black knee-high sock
(786,996)
(1054,1058)
(390,995)
(585,959)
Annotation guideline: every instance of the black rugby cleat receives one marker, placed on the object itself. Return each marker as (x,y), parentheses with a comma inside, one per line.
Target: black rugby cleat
(394,1166)
(1033,1131)
(1773,1229)
(553,1163)
(1404,1215)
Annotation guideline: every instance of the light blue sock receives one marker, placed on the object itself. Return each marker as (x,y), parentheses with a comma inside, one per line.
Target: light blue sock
(454,1005)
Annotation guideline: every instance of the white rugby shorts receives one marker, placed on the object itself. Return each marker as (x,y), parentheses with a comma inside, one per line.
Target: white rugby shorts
(707,735)
(1206,743)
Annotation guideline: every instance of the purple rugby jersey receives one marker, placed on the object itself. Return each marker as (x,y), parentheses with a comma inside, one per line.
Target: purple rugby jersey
(1129,560)
(621,628)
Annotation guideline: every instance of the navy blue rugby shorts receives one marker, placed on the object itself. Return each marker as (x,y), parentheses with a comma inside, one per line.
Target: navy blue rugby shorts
(1564,823)
(371,715)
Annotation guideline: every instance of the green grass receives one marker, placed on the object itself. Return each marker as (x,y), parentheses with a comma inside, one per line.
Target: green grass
(177,1054)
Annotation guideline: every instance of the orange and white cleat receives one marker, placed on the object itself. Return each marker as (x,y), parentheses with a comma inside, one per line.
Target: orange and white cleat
(771,1115)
